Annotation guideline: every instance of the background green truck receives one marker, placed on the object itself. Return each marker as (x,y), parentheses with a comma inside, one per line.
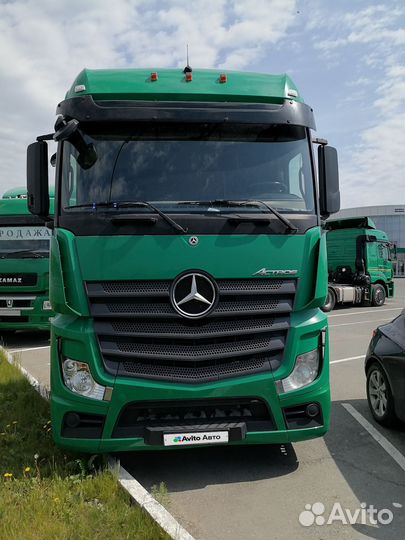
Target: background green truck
(188,265)
(359,263)
(24,265)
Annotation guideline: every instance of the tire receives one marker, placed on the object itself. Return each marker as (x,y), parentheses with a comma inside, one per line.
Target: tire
(379,396)
(330,301)
(6,334)
(378,295)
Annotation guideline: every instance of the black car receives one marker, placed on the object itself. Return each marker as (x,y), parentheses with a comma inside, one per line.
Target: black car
(385,369)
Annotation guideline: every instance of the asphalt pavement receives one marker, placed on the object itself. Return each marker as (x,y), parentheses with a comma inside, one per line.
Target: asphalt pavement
(307,490)
(260,492)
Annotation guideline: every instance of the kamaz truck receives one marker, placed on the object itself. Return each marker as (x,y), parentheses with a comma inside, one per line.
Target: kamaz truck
(359,263)
(188,266)
(24,265)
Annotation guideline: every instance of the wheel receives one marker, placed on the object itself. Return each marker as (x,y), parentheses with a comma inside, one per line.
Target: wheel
(379,396)
(5,335)
(377,295)
(330,301)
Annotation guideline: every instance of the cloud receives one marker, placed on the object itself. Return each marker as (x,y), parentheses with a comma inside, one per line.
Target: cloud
(349,57)
(374,174)
(45,44)
(370,42)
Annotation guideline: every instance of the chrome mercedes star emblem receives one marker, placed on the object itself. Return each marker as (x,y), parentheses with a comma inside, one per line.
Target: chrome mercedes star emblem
(193,240)
(193,295)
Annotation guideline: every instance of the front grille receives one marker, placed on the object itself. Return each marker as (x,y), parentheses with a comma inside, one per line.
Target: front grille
(141,335)
(15,302)
(203,372)
(17,319)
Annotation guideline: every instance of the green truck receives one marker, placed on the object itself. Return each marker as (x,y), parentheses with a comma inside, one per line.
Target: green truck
(188,265)
(359,263)
(24,265)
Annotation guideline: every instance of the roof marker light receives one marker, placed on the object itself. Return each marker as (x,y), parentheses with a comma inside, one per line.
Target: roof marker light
(80,88)
(292,93)
(153,76)
(223,78)
(189,76)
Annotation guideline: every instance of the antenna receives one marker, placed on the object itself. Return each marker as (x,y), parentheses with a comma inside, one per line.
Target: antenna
(187,69)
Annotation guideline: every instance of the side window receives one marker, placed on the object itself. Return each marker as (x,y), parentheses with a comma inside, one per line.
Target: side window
(295,174)
(70,173)
(384,252)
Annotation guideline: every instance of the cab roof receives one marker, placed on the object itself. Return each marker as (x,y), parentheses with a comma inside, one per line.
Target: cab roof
(171,85)
(21,193)
(14,202)
(363,222)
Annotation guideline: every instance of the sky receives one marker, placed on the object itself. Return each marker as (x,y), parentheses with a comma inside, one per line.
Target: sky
(346,57)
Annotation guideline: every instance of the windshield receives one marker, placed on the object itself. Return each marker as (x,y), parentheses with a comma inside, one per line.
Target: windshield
(171,165)
(24,242)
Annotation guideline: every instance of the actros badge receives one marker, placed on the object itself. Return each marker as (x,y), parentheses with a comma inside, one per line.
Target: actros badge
(193,295)
(267,272)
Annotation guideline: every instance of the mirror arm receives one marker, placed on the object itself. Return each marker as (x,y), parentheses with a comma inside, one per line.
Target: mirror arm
(48,137)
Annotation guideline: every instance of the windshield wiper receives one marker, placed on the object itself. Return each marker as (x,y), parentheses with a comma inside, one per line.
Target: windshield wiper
(133,204)
(23,254)
(253,203)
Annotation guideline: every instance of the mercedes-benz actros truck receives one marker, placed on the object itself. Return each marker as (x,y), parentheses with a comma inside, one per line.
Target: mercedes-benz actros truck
(188,265)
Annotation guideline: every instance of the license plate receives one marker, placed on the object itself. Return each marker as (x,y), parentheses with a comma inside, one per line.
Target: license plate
(201,437)
(10,312)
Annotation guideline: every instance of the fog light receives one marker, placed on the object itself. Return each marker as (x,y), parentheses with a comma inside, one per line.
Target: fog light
(312,410)
(46,305)
(78,379)
(305,371)
(72,419)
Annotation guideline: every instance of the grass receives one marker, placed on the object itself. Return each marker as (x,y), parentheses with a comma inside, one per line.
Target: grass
(46,493)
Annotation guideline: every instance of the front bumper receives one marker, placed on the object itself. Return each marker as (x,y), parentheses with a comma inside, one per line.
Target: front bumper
(75,338)
(34,318)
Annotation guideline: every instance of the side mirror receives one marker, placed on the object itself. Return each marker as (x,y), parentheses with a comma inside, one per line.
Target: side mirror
(68,131)
(37,179)
(329,194)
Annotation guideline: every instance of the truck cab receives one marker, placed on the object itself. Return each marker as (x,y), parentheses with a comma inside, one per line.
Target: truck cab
(24,265)
(360,265)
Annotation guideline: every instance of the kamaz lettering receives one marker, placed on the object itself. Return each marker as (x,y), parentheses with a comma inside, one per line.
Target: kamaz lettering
(11,280)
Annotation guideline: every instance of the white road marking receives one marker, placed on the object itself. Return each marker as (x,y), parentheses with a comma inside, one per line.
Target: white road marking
(29,349)
(347,359)
(382,441)
(376,310)
(358,322)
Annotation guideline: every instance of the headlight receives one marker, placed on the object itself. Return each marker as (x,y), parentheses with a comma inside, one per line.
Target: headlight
(305,371)
(46,305)
(78,379)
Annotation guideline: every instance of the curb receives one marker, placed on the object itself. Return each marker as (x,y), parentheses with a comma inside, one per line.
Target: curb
(42,389)
(136,491)
(145,500)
